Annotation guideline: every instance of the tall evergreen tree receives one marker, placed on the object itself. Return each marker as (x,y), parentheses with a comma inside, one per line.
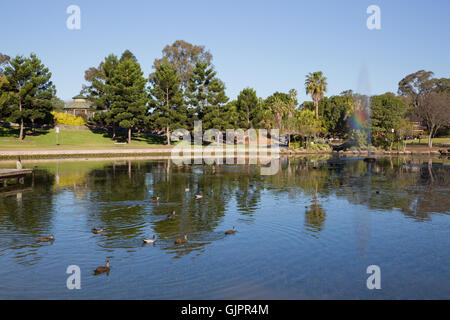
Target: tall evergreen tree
(129,98)
(167,102)
(206,96)
(248,107)
(4,94)
(31,91)
(99,90)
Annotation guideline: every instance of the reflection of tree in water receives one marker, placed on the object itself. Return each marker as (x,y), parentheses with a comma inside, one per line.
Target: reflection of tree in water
(117,196)
(28,214)
(118,199)
(248,190)
(315,215)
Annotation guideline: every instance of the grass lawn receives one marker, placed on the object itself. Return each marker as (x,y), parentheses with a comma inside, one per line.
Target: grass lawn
(437,142)
(70,139)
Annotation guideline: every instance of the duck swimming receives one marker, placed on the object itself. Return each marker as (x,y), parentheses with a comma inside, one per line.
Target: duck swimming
(102,269)
(155,200)
(148,240)
(94,230)
(170,215)
(46,239)
(186,189)
(181,240)
(198,196)
(232,231)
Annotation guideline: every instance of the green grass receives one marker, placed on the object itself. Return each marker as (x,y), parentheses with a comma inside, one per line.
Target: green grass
(70,139)
(437,142)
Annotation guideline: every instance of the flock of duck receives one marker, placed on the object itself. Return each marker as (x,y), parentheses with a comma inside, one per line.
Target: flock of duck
(152,240)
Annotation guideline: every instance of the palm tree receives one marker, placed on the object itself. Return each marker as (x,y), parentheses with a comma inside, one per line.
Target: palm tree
(316,85)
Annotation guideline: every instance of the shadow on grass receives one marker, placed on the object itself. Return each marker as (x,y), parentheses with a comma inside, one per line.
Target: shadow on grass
(122,136)
(13,132)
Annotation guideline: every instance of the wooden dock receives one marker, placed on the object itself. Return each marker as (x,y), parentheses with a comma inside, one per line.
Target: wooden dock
(19,174)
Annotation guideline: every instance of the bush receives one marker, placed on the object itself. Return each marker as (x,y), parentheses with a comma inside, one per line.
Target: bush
(320,147)
(68,119)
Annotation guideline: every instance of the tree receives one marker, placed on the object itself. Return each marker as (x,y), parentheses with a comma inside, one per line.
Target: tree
(4,94)
(434,110)
(416,85)
(206,96)
(127,54)
(316,86)
(99,90)
(129,98)
(277,112)
(30,90)
(57,104)
(247,107)
(306,125)
(183,56)
(335,111)
(404,129)
(167,103)
(387,112)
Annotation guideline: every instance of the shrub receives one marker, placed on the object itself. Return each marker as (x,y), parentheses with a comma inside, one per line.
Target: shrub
(68,119)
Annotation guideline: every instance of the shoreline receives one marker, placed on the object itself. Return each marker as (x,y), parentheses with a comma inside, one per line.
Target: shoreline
(166,152)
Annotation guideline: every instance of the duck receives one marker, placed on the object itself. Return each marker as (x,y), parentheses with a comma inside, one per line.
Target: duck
(96,231)
(186,189)
(198,196)
(171,215)
(46,239)
(232,231)
(150,240)
(181,240)
(102,269)
(155,200)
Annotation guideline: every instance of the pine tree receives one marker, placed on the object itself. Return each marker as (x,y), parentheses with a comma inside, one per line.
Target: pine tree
(206,96)
(248,108)
(167,102)
(99,90)
(30,91)
(129,99)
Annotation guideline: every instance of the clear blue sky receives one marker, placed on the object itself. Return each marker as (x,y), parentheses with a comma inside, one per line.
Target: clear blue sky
(267,45)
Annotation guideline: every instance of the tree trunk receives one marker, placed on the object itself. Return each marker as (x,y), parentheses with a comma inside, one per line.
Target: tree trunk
(168,135)
(21,130)
(430,138)
(129,135)
(316,104)
(21,119)
(114,132)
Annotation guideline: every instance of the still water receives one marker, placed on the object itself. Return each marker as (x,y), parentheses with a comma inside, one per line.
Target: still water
(308,232)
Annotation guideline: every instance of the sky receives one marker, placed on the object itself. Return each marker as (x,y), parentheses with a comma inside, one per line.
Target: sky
(266,45)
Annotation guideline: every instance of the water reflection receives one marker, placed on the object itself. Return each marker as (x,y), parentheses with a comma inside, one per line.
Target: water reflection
(315,214)
(308,195)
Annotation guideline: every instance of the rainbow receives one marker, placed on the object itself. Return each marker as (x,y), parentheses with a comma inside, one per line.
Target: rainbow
(359,120)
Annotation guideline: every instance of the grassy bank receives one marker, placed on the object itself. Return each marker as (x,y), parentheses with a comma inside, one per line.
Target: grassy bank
(70,140)
(437,142)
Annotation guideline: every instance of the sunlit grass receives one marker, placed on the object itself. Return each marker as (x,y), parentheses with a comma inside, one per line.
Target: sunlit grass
(69,139)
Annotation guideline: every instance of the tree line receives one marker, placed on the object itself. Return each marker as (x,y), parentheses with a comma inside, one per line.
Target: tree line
(184,87)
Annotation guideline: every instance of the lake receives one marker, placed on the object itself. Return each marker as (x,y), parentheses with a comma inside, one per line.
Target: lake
(310,231)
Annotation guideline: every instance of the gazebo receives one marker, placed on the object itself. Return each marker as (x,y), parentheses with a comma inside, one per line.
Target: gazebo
(80,106)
